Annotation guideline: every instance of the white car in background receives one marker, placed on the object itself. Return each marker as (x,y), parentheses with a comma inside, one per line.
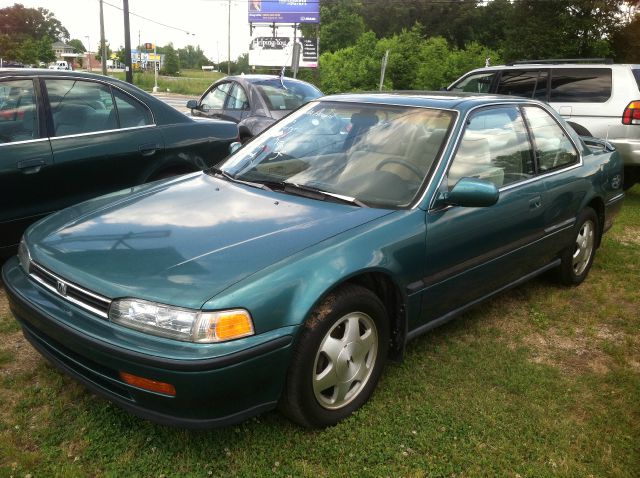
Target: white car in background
(60,65)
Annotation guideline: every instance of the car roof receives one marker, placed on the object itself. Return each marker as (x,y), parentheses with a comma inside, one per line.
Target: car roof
(426,99)
(533,64)
(255,78)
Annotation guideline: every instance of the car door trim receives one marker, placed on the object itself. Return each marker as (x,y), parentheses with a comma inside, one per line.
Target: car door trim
(412,334)
(451,272)
(79,135)
(24,142)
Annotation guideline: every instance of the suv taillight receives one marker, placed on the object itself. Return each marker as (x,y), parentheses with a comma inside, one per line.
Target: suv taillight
(631,113)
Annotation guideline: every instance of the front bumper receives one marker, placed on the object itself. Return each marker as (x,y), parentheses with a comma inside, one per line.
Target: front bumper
(233,382)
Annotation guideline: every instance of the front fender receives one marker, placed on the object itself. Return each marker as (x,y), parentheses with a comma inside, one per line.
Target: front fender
(286,292)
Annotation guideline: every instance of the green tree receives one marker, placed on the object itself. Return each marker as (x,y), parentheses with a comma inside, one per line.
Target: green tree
(98,55)
(192,57)
(24,29)
(78,46)
(626,42)
(171,62)
(342,24)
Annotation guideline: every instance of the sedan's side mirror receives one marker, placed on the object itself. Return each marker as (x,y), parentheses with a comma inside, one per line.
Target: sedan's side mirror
(472,192)
(192,104)
(235,146)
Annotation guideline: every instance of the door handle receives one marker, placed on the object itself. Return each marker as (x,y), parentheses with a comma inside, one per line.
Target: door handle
(535,203)
(31,166)
(148,149)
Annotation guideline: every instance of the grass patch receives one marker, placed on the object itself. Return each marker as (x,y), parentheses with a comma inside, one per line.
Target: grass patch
(541,381)
(190,82)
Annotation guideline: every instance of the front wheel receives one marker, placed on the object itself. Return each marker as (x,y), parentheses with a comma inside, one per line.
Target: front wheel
(578,257)
(338,358)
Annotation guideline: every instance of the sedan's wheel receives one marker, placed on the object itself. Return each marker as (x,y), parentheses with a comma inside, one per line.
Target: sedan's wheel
(578,257)
(338,358)
(345,360)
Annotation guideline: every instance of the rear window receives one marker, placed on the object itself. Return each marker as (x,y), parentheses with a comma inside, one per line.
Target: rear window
(636,74)
(286,95)
(580,85)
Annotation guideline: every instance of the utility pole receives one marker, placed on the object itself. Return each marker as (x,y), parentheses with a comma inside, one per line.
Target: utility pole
(103,42)
(127,43)
(229,42)
(89,48)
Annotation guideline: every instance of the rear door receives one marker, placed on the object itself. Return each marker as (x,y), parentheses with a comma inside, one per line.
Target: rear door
(102,140)
(524,83)
(25,159)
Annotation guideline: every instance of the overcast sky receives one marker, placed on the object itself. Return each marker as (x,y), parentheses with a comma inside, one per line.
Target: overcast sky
(205,19)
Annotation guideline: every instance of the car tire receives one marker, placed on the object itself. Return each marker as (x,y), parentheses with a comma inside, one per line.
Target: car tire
(577,258)
(337,359)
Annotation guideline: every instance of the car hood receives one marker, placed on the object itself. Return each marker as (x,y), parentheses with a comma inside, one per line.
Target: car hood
(184,241)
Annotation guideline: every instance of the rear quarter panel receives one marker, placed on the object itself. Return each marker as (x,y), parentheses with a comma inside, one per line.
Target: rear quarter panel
(195,145)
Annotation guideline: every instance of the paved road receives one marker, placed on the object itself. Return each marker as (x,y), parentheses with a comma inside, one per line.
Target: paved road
(177,101)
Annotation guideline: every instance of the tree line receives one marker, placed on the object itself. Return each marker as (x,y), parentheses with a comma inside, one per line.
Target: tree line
(432,42)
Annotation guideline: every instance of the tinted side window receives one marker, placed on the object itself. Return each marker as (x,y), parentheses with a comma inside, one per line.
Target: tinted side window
(18,112)
(553,147)
(131,112)
(580,85)
(478,83)
(80,107)
(528,84)
(215,99)
(494,147)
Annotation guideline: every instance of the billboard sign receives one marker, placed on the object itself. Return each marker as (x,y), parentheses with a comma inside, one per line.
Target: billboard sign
(278,52)
(284,11)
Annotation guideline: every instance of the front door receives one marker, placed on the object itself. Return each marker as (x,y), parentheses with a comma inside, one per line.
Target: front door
(472,252)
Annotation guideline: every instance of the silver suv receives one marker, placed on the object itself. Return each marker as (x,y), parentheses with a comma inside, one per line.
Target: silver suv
(596,99)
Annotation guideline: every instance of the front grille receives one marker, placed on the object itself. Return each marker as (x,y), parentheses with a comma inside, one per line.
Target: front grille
(73,293)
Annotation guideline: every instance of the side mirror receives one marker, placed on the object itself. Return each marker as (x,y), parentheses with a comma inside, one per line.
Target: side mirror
(192,104)
(235,146)
(472,192)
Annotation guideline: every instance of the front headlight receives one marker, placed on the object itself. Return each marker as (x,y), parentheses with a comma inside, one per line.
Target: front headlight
(181,324)
(23,255)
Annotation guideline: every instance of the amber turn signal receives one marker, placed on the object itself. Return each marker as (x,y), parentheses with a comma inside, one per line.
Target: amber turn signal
(148,384)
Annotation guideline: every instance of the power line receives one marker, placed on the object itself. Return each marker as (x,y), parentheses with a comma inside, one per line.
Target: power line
(151,20)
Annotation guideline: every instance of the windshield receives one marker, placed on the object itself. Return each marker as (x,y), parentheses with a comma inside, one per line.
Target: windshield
(378,155)
(294,94)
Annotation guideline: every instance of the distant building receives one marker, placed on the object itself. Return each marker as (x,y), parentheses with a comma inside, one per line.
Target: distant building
(64,51)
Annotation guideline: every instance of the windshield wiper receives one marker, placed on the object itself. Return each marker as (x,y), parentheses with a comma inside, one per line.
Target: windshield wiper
(315,193)
(228,177)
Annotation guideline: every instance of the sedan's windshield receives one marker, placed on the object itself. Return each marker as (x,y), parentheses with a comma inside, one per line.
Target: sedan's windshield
(288,97)
(379,155)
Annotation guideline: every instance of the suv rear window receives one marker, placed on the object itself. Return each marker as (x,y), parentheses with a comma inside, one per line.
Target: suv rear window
(580,85)
(636,73)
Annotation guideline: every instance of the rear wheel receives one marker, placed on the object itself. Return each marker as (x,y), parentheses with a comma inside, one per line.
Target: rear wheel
(338,358)
(578,257)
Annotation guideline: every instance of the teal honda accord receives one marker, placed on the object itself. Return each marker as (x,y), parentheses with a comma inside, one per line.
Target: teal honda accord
(287,276)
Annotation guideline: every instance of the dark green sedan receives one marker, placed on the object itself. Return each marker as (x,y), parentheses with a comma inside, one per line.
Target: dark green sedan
(67,136)
(289,274)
